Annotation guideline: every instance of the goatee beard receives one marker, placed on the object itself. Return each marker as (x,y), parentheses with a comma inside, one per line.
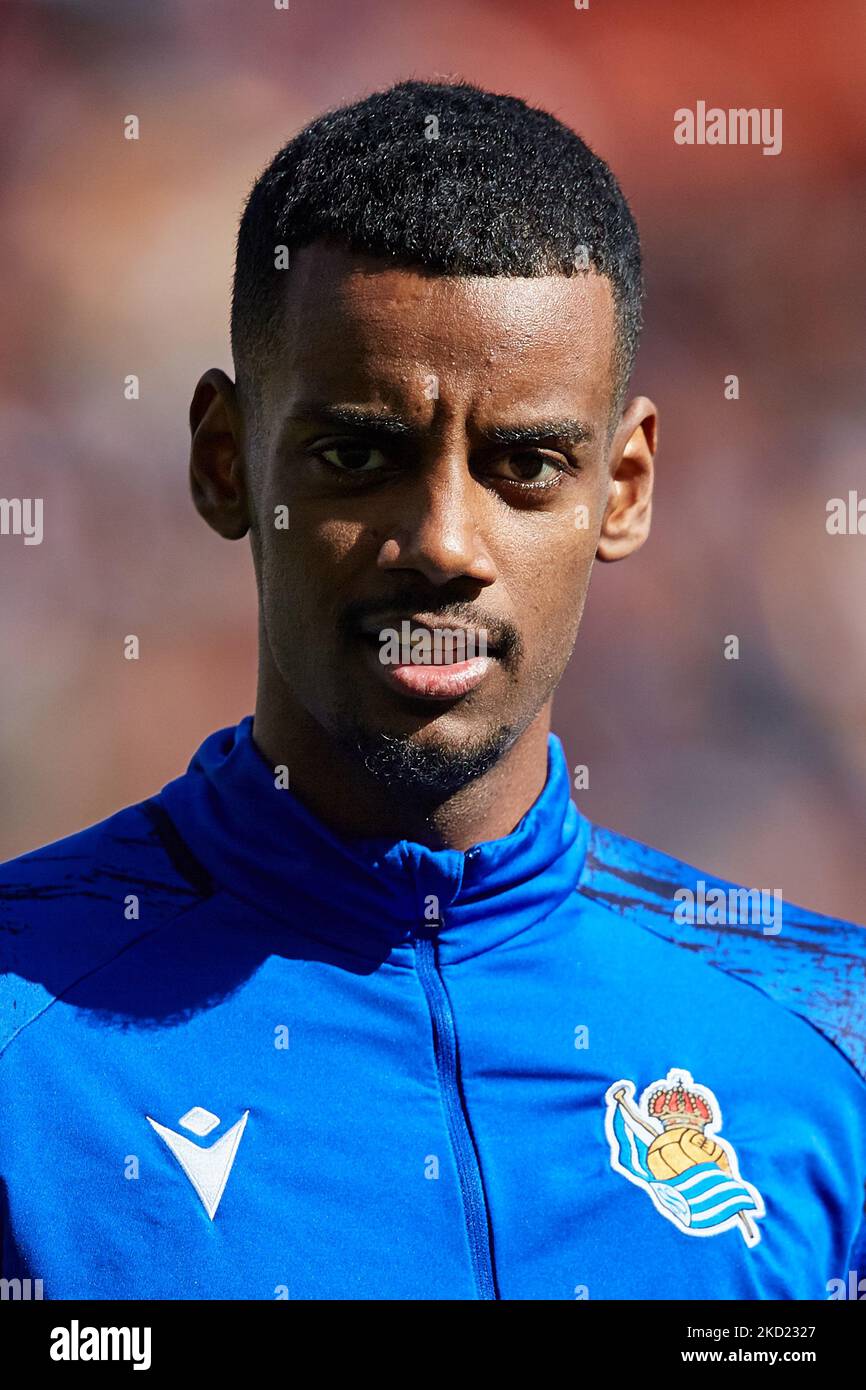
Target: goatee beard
(431,771)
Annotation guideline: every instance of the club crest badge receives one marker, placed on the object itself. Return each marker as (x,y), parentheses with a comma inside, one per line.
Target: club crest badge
(669,1145)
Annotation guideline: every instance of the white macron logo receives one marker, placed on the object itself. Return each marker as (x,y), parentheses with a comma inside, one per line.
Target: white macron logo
(207,1169)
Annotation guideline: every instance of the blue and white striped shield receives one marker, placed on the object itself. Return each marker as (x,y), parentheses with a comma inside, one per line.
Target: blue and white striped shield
(703,1200)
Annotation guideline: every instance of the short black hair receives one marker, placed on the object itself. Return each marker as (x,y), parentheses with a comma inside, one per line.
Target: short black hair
(442,176)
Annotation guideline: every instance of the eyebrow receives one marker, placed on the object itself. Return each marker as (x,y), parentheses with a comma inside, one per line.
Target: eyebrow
(567,431)
(570,431)
(351,417)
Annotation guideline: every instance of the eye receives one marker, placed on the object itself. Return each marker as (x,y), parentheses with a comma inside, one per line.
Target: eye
(531,468)
(352,457)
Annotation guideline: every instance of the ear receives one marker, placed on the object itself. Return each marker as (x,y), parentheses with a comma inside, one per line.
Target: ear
(627,517)
(216,465)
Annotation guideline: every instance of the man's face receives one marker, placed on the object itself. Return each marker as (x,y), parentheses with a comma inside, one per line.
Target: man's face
(389,429)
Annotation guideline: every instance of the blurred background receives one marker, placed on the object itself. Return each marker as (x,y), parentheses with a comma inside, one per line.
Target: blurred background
(116,258)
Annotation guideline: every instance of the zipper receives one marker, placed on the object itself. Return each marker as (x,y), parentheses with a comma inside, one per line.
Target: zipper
(462,1143)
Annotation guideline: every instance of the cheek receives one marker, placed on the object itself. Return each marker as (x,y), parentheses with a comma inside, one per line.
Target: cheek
(334,541)
(547,591)
(311,547)
(308,571)
(546,571)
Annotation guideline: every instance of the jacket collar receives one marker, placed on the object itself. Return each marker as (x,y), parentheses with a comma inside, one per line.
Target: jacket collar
(261,844)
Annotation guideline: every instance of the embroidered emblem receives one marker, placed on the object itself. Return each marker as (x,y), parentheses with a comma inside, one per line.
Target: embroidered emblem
(207,1168)
(669,1146)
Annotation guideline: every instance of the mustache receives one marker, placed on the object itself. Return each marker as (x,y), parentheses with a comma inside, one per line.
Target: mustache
(502,636)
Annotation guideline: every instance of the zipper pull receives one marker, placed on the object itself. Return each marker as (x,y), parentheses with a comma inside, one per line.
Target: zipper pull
(428,931)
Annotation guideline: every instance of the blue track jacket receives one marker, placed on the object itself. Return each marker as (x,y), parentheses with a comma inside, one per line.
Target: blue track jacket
(243,1058)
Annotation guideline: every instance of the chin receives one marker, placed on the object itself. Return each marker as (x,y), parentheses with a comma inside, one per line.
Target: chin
(429,759)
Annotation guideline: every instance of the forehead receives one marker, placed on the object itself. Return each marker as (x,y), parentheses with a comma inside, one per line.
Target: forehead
(357,326)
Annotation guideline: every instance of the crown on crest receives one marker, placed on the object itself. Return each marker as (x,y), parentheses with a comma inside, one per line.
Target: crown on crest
(676,1104)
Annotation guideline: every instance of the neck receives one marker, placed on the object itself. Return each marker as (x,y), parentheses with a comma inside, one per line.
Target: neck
(338,788)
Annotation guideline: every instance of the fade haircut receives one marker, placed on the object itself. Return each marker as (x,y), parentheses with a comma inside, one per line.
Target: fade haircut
(503,189)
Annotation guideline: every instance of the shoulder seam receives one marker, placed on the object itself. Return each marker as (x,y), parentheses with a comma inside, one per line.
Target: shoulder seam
(641,914)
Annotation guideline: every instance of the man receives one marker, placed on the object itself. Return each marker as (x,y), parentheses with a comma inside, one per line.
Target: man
(361,1006)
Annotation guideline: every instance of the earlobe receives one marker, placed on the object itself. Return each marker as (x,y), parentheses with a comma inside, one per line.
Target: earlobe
(216,470)
(627,517)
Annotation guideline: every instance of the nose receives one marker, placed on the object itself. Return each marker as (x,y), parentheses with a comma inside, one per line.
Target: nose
(437,532)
